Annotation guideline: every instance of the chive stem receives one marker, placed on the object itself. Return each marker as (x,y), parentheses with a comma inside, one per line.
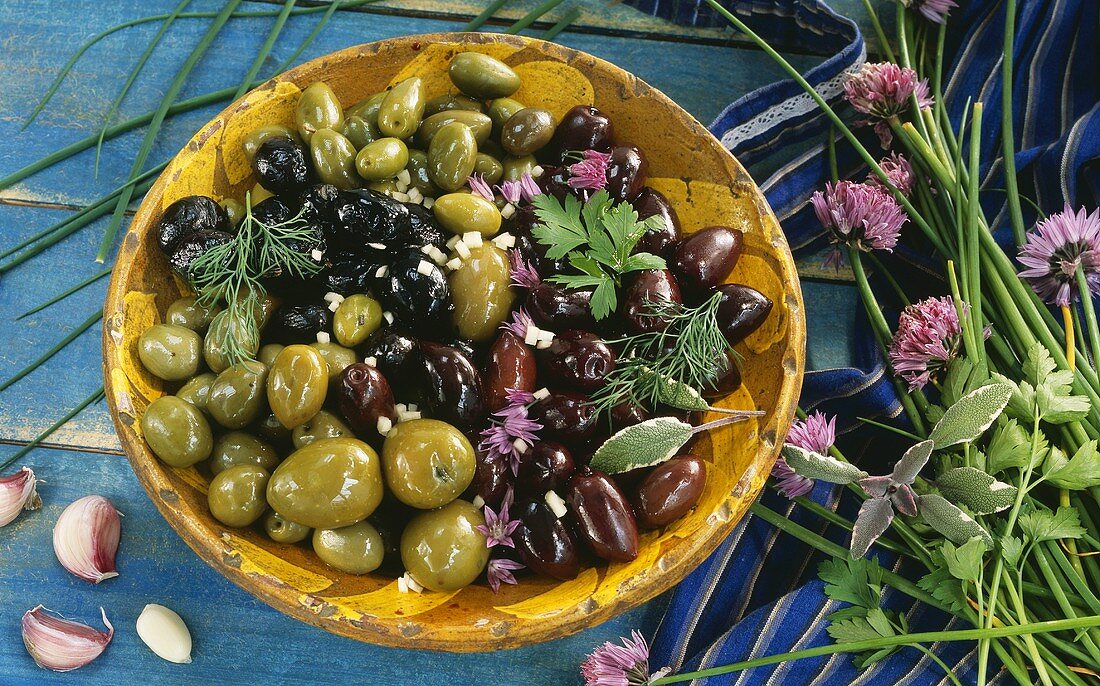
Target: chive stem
(61,296)
(562,24)
(532,16)
(93,398)
(69,338)
(265,49)
(486,14)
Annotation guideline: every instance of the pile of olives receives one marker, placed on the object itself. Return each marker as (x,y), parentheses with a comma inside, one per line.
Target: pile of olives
(356,423)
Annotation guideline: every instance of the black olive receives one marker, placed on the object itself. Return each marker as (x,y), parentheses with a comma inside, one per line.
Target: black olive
(319,204)
(190,247)
(452,385)
(534,252)
(281,165)
(423,228)
(279,276)
(187,216)
(300,322)
(393,355)
(364,216)
(420,302)
(349,273)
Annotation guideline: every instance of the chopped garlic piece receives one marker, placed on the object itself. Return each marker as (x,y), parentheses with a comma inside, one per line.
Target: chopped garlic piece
(453,241)
(541,394)
(333,296)
(400,407)
(463,250)
(437,255)
(411,407)
(537,171)
(542,345)
(333,306)
(425,267)
(400,196)
(531,336)
(381,272)
(402,187)
(377,246)
(407,584)
(545,335)
(323,337)
(388,316)
(317,254)
(478,502)
(520,445)
(427,249)
(454,264)
(370,361)
(415,195)
(384,425)
(555,503)
(505,241)
(428,202)
(404,177)
(472,239)
(507,211)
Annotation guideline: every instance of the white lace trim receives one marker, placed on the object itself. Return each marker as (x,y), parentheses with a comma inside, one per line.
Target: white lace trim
(794,106)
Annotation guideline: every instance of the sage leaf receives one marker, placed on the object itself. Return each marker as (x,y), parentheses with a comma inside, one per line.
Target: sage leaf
(1044,525)
(823,467)
(955,525)
(968,418)
(910,464)
(1077,473)
(676,393)
(964,562)
(980,492)
(641,445)
(875,515)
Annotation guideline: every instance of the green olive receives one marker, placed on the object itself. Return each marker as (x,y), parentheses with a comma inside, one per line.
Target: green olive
(501,110)
(357,317)
(480,125)
(329,483)
(385,186)
(213,345)
(252,142)
(488,168)
(170,352)
(460,213)
(318,108)
(336,357)
(237,496)
(259,194)
(418,174)
(355,549)
(450,102)
(321,425)
(482,292)
(272,430)
(516,167)
(282,530)
(427,462)
(189,314)
(492,149)
(360,131)
(176,431)
(333,158)
(234,210)
(402,109)
(239,447)
(451,156)
(265,306)
(382,159)
(482,77)
(269,352)
(442,549)
(527,131)
(367,109)
(197,390)
(237,395)
(297,385)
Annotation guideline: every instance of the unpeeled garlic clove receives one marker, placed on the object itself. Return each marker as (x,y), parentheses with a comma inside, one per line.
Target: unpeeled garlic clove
(17,493)
(85,538)
(165,633)
(60,644)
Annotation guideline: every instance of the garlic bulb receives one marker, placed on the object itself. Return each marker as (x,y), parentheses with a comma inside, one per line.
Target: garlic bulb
(60,644)
(17,493)
(85,538)
(165,633)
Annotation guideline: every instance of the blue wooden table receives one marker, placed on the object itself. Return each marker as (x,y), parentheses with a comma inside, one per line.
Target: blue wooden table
(237,638)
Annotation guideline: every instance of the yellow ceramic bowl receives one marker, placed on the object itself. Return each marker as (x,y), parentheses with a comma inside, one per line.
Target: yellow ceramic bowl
(705,185)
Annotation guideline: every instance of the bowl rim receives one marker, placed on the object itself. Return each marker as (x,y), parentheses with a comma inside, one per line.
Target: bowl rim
(524,632)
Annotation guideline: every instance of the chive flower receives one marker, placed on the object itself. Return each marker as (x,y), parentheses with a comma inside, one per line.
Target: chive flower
(512,432)
(859,215)
(928,337)
(590,172)
(499,526)
(524,275)
(524,188)
(620,665)
(882,89)
(478,186)
(815,433)
(499,571)
(1056,249)
(934,11)
(898,170)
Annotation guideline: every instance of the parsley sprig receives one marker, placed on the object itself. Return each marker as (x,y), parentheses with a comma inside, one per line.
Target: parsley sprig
(597,238)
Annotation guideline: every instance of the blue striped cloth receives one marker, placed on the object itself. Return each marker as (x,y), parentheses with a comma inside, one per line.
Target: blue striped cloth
(758,594)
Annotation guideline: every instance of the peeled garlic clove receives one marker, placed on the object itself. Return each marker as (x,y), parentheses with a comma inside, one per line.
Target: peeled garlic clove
(60,644)
(85,538)
(165,633)
(18,493)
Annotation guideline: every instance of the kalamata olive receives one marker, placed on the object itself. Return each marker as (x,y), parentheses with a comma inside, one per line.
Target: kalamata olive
(582,128)
(704,259)
(282,165)
(725,379)
(424,230)
(365,216)
(492,478)
(565,416)
(671,489)
(603,515)
(364,396)
(546,466)
(523,221)
(652,289)
(556,307)
(555,181)
(577,359)
(187,216)
(511,365)
(627,414)
(626,172)
(452,387)
(416,292)
(544,542)
(742,310)
(393,355)
(300,322)
(190,247)
(651,203)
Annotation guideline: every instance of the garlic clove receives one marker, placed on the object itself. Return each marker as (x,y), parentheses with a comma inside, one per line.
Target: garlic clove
(60,644)
(85,538)
(165,633)
(18,492)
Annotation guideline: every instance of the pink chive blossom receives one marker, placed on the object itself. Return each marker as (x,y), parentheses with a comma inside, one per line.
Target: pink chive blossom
(790,483)
(882,89)
(524,189)
(519,323)
(927,339)
(933,10)
(500,571)
(861,216)
(1056,248)
(510,191)
(625,665)
(815,433)
(478,186)
(524,274)
(512,432)
(499,527)
(898,170)
(591,172)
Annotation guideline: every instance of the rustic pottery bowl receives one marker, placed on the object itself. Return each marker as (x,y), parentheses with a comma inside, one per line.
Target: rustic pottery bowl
(706,186)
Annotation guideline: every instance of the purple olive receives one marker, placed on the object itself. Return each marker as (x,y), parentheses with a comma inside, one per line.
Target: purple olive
(627,414)
(626,172)
(582,128)
(451,385)
(742,310)
(604,518)
(558,308)
(565,416)
(726,378)
(546,466)
(669,491)
(393,353)
(544,542)
(704,259)
(555,181)
(651,203)
(492,477)
(652,289)
(511,365)
(364,396)
(577,359)
(520,226)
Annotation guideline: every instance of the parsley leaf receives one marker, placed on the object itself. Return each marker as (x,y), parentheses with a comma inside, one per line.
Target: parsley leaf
(858,582)
(1043,525)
